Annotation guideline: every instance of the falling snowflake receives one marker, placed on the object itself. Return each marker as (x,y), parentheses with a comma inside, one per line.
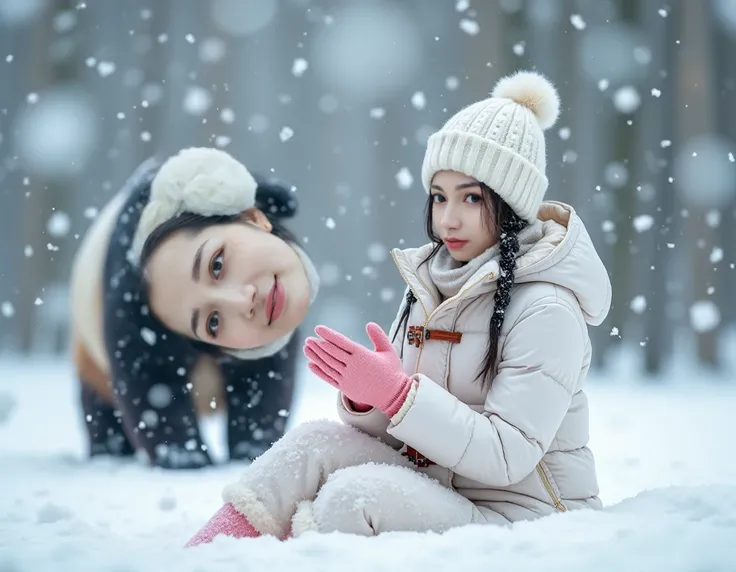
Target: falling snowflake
(149,336)
(704,316)
(58,224)
(159,396)
(404,178)
(377,252)
(642,223)
(418,100)
(626,99)
(638,304)
(713,218)
(387,294)
(470,27)
(286,133)
(105,68)
(197,100)
(577,21)
(330,223)
(7,309)
(299,66)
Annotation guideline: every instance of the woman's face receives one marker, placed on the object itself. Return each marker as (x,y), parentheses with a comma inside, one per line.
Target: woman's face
(235,285)
(462,215)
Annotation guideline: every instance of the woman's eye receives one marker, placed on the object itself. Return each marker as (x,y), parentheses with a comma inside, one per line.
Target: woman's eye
(438,199)
(213,324)
(216,265)
(473,198)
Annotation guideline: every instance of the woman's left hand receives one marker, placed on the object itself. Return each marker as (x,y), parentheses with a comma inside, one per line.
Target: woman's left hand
(374,377)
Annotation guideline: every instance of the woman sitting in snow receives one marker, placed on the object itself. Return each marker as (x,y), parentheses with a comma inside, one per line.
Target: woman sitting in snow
(186,295)
(476,412)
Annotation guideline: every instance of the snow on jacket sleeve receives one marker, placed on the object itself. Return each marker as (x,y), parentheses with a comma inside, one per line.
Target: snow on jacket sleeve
(373,422)
(527,401)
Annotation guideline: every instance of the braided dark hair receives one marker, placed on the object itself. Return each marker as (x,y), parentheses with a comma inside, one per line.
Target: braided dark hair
(503,217)
(510,224)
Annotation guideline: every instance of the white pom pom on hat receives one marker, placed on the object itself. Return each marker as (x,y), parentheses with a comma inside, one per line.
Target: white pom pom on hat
(533,91)
(500,141)
(199,180)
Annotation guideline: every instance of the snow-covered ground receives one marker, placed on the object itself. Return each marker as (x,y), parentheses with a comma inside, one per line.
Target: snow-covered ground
(666,461)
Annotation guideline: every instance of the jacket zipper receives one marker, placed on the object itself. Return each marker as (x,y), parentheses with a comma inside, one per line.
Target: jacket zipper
(427,315)
(403,277)
(559,505)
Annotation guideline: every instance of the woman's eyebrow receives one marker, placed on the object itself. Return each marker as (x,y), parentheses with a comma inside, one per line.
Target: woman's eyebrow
(197,262)
(194,323)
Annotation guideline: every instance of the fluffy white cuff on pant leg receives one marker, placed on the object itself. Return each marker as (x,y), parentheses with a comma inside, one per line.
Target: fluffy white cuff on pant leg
(303,519)
(247,503)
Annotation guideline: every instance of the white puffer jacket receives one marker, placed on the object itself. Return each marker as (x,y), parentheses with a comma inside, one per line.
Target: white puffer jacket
(519,445)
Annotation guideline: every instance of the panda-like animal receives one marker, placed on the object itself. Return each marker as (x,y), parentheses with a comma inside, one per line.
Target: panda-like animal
(145,387)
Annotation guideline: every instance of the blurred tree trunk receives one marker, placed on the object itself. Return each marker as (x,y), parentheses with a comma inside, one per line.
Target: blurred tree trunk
(590,124)
(13,264)
(623,137)
(652,263)
(725,71)
(43,274)
(696,117)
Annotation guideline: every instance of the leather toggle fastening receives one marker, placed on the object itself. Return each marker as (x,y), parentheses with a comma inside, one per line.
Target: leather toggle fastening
(416,457)
(416,335)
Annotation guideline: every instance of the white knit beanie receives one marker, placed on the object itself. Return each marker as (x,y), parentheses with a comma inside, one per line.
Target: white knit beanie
(500,141)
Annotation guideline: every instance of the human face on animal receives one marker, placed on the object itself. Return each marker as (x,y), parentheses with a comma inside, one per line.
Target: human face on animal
(235,285)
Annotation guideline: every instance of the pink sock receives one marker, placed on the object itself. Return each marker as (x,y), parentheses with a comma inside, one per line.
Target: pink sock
(227,521)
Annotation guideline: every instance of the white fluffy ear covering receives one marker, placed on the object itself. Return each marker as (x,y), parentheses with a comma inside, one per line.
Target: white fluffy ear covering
(205,181)
(200,180)
(534,91)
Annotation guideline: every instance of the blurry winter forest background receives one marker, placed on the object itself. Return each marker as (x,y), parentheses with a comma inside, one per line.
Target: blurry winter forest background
(337,97)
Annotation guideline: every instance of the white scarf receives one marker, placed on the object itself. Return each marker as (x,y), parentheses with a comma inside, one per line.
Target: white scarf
(449,275)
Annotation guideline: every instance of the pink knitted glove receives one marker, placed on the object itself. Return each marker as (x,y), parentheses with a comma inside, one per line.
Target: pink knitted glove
(372,377)
(227,521)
